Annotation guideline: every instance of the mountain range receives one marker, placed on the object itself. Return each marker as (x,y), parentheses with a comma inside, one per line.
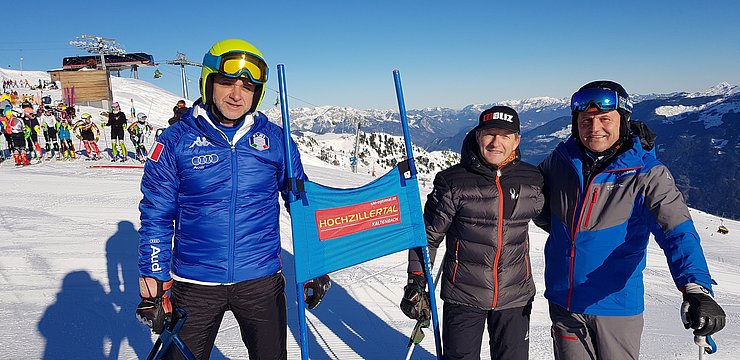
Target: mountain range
(697,134)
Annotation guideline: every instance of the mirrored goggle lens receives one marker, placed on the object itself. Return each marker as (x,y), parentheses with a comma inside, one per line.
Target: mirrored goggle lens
(603,99)
(239,64)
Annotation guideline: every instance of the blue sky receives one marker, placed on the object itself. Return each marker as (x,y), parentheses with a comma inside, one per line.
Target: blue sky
(450,54)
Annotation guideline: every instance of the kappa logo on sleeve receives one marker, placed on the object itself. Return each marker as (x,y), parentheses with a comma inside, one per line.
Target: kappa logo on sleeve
(156,151)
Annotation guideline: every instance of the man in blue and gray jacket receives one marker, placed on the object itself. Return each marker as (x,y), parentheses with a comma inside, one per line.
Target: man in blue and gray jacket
(606,192)
(210,212)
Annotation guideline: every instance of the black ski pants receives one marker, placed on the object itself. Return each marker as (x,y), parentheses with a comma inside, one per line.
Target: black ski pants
(258,306)
(462,332)
(9,139)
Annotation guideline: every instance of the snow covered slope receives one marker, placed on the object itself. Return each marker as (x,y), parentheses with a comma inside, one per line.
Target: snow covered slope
(69,277)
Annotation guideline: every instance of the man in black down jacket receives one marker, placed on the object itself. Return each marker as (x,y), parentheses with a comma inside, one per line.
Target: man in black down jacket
(482,207)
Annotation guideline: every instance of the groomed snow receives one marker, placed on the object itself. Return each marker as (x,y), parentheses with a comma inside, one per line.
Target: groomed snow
(68,270)
(69,274)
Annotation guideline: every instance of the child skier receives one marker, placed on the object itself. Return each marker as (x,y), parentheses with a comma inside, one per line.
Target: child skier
(137,131)
(2,131)
(49,127)
(31,134)
(86,130)
(5,120)
(64,129)
(117,122)
(17,128)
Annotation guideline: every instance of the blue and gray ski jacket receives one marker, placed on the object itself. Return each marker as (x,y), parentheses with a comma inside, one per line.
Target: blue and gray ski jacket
(599,231)
(210,209)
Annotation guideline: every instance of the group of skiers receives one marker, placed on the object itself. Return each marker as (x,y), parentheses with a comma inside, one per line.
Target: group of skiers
(21,132)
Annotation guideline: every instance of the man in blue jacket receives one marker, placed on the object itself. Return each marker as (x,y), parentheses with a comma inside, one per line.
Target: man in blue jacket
(606,192)
(210,215)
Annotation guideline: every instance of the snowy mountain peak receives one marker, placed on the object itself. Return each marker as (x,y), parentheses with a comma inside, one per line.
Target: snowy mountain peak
(722,89)
(535,103)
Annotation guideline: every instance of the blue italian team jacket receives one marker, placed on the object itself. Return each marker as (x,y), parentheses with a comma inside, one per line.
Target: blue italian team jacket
(596,251)
(210,210)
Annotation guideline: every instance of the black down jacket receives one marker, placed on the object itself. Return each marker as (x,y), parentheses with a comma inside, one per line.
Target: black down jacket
(483,212)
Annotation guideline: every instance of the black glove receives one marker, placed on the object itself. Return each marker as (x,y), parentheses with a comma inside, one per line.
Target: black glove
(415,302)
(700,312)
(315,289)
(155,307)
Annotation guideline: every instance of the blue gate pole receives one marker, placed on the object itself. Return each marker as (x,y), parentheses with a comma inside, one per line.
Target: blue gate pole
(291,196)
(425,250)
(404,122)
(286,128)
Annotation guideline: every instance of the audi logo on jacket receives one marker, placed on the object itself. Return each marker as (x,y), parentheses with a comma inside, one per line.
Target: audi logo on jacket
(483,218)
(216,203)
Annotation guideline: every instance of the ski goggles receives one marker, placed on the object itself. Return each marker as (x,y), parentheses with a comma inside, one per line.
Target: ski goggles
(602,99)
(237,64)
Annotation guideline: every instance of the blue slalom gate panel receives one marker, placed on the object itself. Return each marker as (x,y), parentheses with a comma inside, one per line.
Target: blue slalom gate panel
(337,228)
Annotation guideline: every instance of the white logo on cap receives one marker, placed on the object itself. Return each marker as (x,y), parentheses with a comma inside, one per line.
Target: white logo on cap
(503,116)
(498,116)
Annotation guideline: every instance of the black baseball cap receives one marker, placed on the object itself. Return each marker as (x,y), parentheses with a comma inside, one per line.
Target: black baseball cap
(501,117)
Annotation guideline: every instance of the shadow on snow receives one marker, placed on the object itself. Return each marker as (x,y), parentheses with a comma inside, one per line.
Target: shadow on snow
(85,322)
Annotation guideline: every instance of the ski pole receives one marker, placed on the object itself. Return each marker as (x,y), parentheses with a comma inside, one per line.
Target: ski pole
(706,345)
(170,337)
(417,335)
(105,139)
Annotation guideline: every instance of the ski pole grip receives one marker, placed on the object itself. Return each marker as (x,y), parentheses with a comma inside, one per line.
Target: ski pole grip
(706,343)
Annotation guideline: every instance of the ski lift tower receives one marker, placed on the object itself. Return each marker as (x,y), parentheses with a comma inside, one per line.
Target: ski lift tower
(355,159)
(100,46)
(182,61)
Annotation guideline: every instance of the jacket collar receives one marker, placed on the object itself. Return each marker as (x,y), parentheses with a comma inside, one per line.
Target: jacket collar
(200,118)
(470,157)
(631,158)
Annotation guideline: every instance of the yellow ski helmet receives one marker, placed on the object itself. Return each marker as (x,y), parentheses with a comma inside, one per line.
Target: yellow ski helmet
(234,58)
